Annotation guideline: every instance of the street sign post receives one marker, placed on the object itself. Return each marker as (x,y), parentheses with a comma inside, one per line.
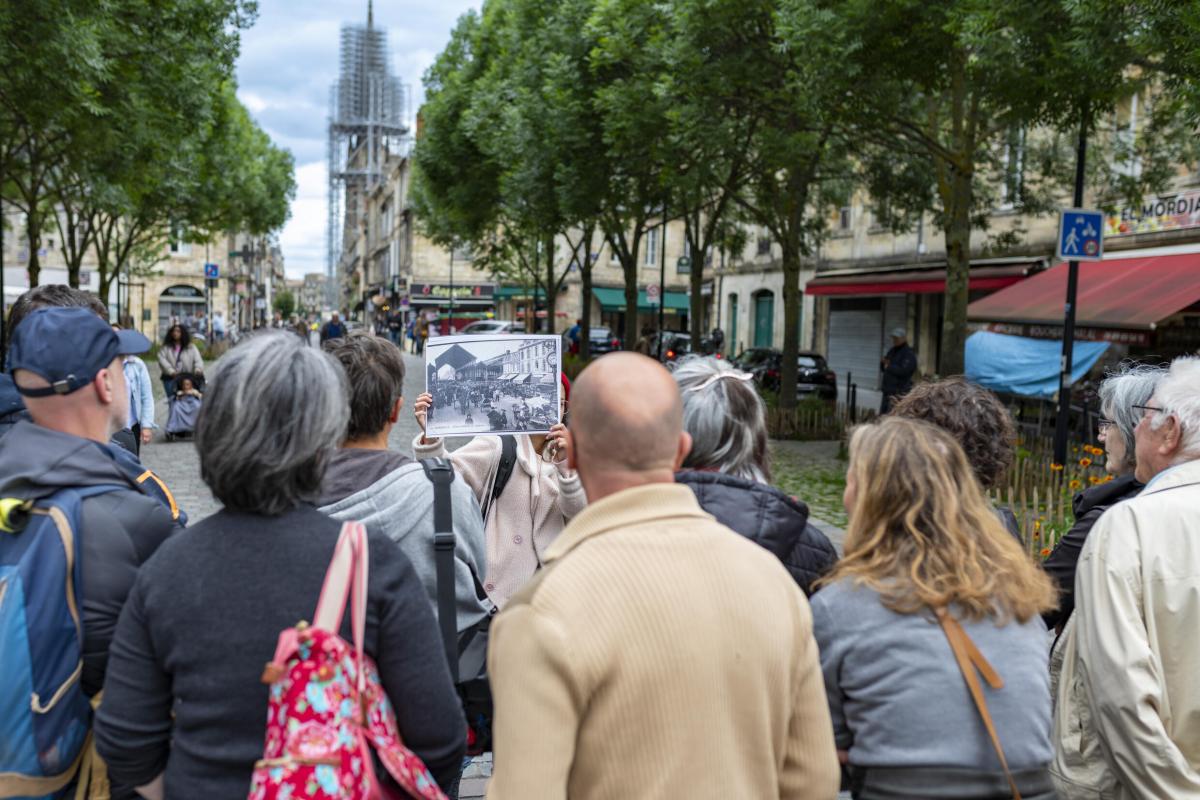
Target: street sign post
(683,265)
(212,271)
(1081,235)
(653,294)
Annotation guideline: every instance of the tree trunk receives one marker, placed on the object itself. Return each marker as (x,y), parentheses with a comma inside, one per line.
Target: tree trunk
(551,287)
(957,229)
(585,290)
(788,371)
(629,267)
(696,282)
(33,230)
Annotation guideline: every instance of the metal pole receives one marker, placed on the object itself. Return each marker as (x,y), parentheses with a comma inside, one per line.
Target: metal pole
(1064,376)
(3,296)
(450,324)
(662,280)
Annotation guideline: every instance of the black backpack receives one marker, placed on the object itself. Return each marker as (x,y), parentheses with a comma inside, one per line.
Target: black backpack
(466,652)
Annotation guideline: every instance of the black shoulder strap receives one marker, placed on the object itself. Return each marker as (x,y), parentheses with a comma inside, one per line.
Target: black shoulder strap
(441,473)
(508,460)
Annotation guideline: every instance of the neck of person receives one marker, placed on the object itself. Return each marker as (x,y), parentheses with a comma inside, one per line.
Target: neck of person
(97,427)
(598,484)
(378,441)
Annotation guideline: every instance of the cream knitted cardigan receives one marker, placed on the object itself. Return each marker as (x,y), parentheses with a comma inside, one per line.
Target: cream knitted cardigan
(535,506)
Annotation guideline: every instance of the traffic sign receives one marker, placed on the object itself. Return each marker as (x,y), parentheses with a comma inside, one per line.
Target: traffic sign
(684,264)
(212,271)
(1081,235)
(653,293)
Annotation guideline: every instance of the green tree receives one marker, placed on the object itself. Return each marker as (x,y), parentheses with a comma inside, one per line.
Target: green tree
(285,304)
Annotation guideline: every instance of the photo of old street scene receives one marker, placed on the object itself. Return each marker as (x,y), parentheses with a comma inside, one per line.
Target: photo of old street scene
(492,384)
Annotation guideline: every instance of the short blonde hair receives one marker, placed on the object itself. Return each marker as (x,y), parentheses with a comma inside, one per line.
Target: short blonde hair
(922,534)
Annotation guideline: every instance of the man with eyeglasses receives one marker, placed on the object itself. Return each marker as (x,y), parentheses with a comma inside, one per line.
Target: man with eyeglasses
(1132,655)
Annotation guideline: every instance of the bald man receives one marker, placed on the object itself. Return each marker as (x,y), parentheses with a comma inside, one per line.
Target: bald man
(658,654)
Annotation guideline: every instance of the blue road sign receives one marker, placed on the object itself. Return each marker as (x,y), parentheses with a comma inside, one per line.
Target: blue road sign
(1081,235)
(212,271)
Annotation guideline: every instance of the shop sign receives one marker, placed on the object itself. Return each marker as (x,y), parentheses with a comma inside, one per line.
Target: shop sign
(461,291)
(183,291)
(1155,214)
(1136,338)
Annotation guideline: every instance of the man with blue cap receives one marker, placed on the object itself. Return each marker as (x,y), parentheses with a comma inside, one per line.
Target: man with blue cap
(67,365)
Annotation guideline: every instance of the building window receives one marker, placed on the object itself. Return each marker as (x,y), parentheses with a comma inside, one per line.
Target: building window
(178,246)
(1127,160)
(764,245)
(613,257)
(844,218)
(651,257)
(462,253)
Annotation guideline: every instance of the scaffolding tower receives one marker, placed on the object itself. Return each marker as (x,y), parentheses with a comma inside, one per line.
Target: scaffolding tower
(368,113)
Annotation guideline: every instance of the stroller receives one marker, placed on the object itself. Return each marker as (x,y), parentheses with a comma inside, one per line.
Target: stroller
(183,408)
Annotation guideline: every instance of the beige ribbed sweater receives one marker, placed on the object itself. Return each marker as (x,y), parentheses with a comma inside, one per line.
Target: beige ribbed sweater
(658,655)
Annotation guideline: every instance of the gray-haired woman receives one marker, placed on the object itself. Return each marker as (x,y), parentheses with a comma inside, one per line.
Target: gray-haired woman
(728,468)
(184,707)
(1121,391)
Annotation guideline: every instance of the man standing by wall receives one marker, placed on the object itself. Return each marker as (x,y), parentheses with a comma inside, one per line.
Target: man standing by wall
(334,329)
(657,654)
(898,367)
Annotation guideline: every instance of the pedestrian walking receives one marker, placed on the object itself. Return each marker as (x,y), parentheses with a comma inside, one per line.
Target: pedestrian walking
(526,488)
(179,355)
(727,468)
(184,699)
(898,366)
(976,419)
(332,329)
(657,654)
(141,403)
(930,594)
(67,365)
(1127,720)
(1120,395)
(388,491)
(218,326)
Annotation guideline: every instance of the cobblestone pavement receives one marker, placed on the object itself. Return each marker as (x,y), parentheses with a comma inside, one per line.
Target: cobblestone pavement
(178,464)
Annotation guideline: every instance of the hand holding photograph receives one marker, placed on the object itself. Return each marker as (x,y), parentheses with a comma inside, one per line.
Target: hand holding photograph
(493,384)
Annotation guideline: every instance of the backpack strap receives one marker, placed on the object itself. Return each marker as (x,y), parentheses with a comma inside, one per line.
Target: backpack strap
(440,472)
(504,471)
(346,578)
(969,660)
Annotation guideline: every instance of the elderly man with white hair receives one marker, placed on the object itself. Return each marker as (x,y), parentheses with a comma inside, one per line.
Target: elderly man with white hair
(1128,717)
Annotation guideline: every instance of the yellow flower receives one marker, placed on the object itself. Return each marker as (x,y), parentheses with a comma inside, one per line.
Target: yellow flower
(1094,480)
(1085,462)
(1075,484)
(1045,552)
(1056,467)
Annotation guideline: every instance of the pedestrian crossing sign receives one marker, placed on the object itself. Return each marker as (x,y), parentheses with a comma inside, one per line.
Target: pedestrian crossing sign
(1081,235)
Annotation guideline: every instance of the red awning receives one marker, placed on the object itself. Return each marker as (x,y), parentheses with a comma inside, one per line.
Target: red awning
(916,281)
(1130,293)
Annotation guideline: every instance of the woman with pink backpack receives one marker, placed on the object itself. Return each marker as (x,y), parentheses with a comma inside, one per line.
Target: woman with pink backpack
(187,695)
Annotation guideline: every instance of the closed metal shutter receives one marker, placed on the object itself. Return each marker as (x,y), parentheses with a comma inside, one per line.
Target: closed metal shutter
(855,334)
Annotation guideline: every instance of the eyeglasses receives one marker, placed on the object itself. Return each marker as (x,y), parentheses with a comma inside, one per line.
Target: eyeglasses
(1144,409)
(1103,424)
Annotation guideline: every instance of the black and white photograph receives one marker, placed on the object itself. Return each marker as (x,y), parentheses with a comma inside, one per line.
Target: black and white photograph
(493,384)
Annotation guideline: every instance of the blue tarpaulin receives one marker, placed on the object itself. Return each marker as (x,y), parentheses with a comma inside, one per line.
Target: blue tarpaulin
(1028,367)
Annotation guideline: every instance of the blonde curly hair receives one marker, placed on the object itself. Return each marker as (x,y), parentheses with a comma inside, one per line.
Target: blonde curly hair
(922,534)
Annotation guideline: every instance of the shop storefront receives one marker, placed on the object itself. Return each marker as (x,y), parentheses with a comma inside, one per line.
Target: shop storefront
(612,309)
(179,303)
(471,301)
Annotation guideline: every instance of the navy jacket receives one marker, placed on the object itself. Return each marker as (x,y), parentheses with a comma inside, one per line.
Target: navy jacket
(767,517)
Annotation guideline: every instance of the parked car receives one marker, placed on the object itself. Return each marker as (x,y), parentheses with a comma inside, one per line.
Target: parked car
(493,326)
(813,377)
(676,345)
(603,340)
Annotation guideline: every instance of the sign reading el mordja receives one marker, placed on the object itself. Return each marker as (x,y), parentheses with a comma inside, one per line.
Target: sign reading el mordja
(493,384)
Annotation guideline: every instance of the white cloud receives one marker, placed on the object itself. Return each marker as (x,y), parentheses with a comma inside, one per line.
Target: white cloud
(288,62)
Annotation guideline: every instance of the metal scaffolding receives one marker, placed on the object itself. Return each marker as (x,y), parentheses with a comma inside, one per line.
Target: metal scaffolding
(368,113)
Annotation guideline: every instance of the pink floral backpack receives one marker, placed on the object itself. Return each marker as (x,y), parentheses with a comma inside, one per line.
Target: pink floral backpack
(327,709)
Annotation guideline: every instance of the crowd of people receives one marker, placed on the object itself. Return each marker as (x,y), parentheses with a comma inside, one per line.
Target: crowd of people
(657,619)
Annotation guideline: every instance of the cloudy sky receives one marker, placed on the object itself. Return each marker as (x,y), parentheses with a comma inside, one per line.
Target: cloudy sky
(290,59)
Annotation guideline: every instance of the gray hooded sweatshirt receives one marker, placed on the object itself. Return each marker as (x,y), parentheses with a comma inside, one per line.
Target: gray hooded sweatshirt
(396,499)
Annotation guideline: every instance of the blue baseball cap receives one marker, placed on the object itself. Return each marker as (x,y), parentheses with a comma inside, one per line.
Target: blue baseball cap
(68,347)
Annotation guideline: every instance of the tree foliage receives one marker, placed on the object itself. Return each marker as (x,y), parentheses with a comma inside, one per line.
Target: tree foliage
(119,126)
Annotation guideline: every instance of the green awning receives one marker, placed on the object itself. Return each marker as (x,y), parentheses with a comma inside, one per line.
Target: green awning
(510,292)
(614,300)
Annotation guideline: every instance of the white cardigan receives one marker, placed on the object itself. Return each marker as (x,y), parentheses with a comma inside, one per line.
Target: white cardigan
(532,511)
